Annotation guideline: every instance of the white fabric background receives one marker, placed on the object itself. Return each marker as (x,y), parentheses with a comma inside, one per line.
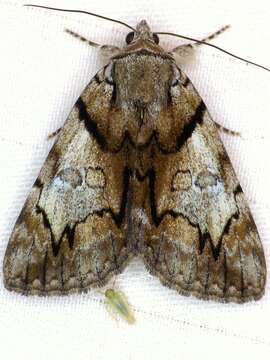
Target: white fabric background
(42,72)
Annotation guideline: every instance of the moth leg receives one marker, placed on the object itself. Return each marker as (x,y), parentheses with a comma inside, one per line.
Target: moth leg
(107,51)
(186,49)
(53,134)
(227,131)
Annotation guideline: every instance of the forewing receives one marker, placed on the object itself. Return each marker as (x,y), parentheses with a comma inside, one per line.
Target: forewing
(202,239)
(71,232)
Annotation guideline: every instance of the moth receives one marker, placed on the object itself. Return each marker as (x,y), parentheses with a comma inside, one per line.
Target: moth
(118,303)
(138,169)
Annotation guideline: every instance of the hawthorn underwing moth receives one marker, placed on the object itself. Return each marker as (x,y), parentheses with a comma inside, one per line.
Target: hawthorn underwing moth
(137,169)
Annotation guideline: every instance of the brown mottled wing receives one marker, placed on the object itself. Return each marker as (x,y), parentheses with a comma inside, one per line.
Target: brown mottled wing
(71,233)
(202,240)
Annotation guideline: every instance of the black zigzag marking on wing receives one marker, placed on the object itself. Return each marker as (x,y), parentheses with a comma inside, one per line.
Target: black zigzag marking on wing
(70,231)
(203,237)
(90,124)
(92,128)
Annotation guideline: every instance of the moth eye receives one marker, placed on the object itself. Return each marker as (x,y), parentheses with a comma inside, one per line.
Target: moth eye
(129,37)
(156,38)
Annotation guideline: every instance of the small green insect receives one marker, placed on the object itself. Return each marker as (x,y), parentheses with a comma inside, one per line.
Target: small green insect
(118,302)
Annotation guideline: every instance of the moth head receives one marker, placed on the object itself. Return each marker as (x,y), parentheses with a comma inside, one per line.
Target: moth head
(143,32)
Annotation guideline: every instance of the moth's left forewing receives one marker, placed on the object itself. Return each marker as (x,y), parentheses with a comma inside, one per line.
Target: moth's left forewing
(71,235)
(203,240)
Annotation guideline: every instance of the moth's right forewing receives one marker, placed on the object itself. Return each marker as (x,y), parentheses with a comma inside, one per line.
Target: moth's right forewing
(202,240)
(71,233)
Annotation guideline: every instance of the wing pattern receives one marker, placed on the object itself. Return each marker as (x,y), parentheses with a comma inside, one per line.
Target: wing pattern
(138,168)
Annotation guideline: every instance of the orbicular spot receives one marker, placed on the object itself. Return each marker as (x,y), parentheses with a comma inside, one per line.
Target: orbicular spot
(95,178)
(182,180)
(206,178)
(71,176)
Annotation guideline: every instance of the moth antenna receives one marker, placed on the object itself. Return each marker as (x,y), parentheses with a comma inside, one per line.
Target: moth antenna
(83,12)
(216,33)
(215,47)
(82,38)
